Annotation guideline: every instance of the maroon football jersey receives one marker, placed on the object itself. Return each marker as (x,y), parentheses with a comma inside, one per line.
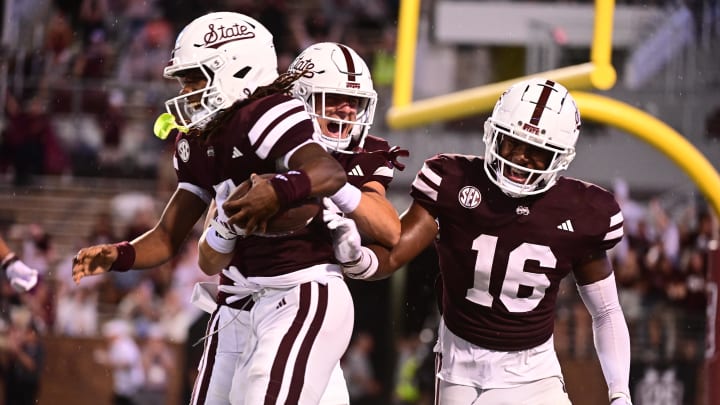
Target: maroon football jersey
(502,258)
(365,166)
(261,256)
(254,138)
(257,135)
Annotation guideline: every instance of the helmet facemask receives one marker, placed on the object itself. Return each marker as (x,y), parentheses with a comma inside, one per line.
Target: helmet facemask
(542,115)
(195,109)
(344,129)
(506,173)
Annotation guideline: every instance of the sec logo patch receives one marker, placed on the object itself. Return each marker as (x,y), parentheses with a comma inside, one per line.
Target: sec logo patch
(469,197)
(183,150)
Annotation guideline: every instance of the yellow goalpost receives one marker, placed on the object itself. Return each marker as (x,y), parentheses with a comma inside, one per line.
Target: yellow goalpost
(598,73)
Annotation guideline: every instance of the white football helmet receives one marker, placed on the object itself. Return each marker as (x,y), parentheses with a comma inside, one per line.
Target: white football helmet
(541,113)
(332,68)
(234,52)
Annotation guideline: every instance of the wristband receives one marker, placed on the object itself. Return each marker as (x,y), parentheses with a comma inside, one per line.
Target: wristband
(364,267)
(126,257)
(617,395)
(217,242)
(8,260)
(291,187)
(347,198)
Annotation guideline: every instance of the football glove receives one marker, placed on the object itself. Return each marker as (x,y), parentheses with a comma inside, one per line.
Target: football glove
(220,222)
(22,278)
(347,244)
(358,262)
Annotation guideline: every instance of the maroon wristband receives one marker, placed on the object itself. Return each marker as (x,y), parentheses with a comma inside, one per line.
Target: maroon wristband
(126,257)
(8,260)
(291,187)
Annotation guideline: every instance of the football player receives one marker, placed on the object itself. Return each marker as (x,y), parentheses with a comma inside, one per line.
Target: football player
(237,119)
(335,84)
(22,278)
(508,229)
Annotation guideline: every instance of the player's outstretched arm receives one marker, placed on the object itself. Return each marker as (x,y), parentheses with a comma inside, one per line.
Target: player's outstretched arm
(151,249)
(596,284)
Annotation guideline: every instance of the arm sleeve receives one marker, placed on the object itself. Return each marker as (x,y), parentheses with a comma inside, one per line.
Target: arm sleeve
(610,332)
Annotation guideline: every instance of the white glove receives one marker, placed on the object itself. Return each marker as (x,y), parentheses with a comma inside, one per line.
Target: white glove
(220,222)
(347,243)
(22,278)
(220,235)
(358,262)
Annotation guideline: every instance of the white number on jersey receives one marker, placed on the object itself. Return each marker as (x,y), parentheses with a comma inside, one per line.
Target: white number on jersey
(515,275)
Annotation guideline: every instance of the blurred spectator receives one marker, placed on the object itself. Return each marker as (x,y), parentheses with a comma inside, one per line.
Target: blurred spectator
(92,19)
(123,358)
(141,307)
(174,318)
(22,356)
(147,54)
(56,62)
(411,353)
(93,65)
(633,214)
(38,249)
(363,387)
(29,142)
(159,364)
(274,15)
(77,311)
(315,26)
(102,230)
(78,306)
(112,123)
(383,69)
(666,231)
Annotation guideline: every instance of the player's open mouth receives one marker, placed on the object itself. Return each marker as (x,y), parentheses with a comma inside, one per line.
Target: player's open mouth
(518,176)
(333,128)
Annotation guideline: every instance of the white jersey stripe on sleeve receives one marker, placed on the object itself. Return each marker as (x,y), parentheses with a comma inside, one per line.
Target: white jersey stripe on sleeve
(263,150)
(198,191)
(616,219)
(425,188)
(422,185)
(269,117)
(431,175)
(618,233)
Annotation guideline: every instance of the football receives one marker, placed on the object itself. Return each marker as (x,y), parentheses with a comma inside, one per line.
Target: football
(285,221)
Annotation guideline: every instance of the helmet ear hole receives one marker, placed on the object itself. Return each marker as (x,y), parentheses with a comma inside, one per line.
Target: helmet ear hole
(240,74)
